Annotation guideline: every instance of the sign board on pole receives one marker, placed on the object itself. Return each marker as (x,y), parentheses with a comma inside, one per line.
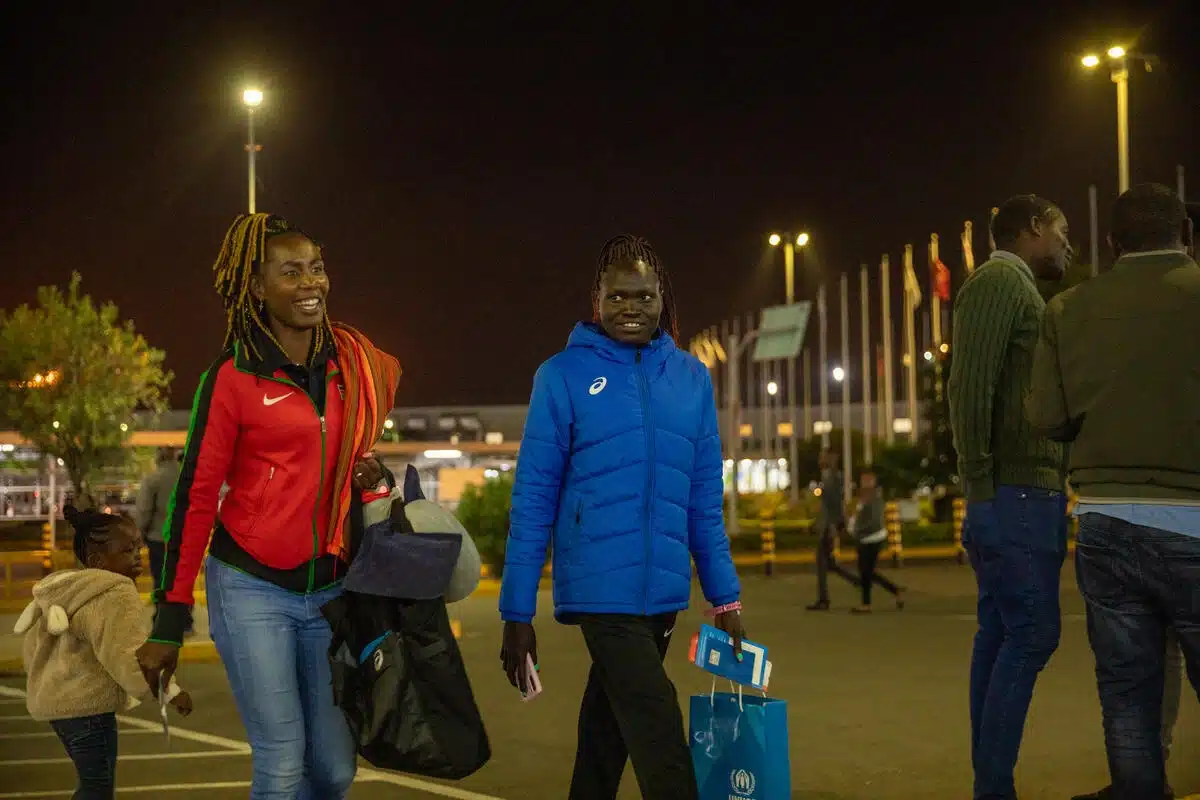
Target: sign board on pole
(781,331)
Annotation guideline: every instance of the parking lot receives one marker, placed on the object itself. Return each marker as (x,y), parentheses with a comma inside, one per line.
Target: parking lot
(877,709)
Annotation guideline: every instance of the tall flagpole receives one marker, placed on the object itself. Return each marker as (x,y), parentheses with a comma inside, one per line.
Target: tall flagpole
(867,405)
(806,388)
(935,301)
(823,366)
(847,452)
(910,341)
(882,420)
(887,391)
(1094,220)
(968,245)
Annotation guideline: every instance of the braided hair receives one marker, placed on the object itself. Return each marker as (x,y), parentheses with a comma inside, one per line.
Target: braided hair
(628,248)
(241,256)
(92,528)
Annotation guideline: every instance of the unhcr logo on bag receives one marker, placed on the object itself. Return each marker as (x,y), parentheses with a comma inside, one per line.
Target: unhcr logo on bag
(742,782)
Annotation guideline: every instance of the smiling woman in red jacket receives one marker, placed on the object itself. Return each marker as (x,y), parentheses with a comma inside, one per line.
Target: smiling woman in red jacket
(285,417)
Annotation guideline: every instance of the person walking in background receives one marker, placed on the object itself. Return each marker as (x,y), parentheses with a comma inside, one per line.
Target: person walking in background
(831,521)
(620,473)
(150,511)
(1013,477)
(153,500)
(1117,375)
(870,533)
(286,417)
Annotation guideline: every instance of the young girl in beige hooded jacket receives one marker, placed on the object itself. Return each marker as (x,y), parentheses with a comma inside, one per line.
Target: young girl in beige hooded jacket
(82,631)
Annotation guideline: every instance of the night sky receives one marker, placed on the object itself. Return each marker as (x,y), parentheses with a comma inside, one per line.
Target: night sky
(463,163)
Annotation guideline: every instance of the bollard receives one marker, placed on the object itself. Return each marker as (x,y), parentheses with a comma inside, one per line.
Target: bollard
(960,517)
(48,546)
(767,533)
(1072,520)
(891,518)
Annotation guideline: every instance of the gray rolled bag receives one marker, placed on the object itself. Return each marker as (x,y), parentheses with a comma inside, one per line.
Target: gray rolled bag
(439,560)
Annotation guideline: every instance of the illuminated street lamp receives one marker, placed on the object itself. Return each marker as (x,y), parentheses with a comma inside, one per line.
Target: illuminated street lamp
(1119,58)
(252,98)
(772,388)
(839,374)
(790,244)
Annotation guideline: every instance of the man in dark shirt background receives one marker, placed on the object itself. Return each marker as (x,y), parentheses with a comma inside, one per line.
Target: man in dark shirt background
(1116,373)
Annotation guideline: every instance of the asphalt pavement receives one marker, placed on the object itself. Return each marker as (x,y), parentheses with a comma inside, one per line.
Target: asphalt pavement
(877,708)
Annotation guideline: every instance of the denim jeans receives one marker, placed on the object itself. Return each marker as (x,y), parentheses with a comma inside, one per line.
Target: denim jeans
(1137,582)
(274,644)
(1017,543)
(91,742)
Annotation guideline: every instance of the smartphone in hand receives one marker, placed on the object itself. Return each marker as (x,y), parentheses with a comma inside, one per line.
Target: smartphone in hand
(533,686)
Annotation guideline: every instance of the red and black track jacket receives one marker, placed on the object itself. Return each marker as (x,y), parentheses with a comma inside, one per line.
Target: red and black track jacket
(271,431)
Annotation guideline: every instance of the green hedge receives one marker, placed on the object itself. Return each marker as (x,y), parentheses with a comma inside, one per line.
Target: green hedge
(794,537)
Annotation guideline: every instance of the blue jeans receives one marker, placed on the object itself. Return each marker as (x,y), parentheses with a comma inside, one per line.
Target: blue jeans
(91,742)
(1137,582)
(1017,543)
(274,645)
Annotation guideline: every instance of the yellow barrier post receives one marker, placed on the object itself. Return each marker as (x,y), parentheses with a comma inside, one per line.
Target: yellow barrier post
(960,517)
(767,533)
(1072,520)
(48,546)
(891,518)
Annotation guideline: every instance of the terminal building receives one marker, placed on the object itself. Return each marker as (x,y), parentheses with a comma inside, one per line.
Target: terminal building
(452,446)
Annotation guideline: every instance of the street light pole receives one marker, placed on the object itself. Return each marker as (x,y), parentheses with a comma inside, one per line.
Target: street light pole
(250,151)
(1120,59)
(790,244)
(252,98)
(1120,76)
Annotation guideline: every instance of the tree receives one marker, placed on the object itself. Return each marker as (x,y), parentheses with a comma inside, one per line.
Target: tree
(71,376)
(938,446)
(483,511)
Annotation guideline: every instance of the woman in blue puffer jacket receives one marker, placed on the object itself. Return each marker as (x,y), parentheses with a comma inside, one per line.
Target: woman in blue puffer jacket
(620,471)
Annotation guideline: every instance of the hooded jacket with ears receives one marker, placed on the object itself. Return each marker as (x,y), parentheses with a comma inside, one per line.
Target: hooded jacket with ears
(82,632)
(620,471)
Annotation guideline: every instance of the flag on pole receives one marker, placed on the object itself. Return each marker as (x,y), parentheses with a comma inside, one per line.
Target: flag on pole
(912,288)
(940,278)
(968,247)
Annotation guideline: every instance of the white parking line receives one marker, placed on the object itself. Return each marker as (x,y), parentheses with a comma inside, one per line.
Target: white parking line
(164,787)
(38,762)
(235,746)
(53,735)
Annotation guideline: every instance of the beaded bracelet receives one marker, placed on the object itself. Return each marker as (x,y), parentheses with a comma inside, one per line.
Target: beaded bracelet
(716,611)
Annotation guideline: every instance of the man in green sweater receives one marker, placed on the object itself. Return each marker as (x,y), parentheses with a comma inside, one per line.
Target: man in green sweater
(1117,374)
(1013,478)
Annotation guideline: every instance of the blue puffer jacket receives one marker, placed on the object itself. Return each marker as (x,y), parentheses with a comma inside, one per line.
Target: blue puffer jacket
(620,468)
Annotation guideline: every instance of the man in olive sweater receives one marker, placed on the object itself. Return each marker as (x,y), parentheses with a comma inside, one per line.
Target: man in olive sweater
(1013,478)
(1117,374)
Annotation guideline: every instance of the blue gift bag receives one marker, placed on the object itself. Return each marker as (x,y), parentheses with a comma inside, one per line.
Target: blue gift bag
(740,747)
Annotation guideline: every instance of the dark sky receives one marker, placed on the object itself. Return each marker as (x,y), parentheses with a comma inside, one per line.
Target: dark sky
(463,163)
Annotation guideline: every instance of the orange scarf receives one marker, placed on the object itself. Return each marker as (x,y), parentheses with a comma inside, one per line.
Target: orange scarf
(371,378)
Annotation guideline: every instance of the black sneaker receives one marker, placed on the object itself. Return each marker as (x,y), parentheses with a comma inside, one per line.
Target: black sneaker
(818,606)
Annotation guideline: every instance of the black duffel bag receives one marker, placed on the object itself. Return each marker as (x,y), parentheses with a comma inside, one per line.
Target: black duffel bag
(405,691)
